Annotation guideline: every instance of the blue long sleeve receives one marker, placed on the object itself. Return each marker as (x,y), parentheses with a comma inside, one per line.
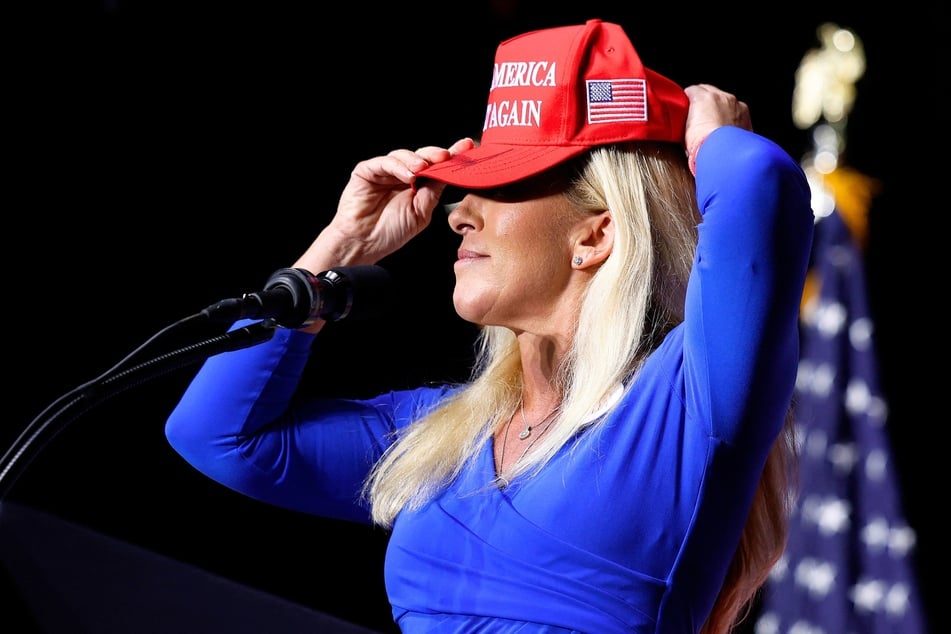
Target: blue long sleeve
(236,425)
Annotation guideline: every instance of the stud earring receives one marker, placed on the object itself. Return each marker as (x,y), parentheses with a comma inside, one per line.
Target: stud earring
(577,260)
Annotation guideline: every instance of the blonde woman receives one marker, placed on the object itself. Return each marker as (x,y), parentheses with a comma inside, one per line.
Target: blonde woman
(617,462)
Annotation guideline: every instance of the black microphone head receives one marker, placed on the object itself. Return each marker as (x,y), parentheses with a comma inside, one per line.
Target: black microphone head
(353,292)
(288,297)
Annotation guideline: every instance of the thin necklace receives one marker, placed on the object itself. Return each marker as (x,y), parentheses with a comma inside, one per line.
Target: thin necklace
(525,433)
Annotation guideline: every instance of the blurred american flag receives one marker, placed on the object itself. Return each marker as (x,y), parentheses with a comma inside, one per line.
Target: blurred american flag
(849,565)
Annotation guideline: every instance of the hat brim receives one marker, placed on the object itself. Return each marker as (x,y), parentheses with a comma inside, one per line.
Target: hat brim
(496,165)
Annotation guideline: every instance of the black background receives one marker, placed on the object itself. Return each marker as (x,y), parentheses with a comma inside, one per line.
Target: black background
(165,155)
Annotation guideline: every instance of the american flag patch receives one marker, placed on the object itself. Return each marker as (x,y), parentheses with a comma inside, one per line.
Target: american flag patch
(617,100)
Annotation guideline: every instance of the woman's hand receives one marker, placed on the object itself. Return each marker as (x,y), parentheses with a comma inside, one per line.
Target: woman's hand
(711,108)
(381,208)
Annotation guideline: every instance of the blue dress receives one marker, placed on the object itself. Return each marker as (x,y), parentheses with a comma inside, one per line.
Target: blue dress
(634,529)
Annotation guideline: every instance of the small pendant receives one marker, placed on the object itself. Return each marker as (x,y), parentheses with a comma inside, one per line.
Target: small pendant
(525,433)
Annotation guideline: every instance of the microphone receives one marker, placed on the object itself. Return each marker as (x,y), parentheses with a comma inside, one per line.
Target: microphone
(294,298)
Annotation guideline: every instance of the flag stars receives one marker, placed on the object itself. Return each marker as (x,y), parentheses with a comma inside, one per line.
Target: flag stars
(875,534)
(898,540)
(901,541)
(867,595)
(844,457)
(860,333)
(875,595)
(877,412)
(834,516)
(830,318)
(804,375)
(876,465)
(815,379)
(857,396)
(830,515)
(823,380)
(817,577)
(860,400)
(768,623)
(897,601)
(805,627)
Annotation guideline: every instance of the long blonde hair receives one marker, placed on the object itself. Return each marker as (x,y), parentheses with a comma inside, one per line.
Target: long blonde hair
(632,302)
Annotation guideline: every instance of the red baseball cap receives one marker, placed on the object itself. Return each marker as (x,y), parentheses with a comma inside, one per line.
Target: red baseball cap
(558,92)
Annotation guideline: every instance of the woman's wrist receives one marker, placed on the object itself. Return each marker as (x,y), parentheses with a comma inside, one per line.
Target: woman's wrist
(692,154)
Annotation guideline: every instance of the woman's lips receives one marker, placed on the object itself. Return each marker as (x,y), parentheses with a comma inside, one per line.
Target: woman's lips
(466,254)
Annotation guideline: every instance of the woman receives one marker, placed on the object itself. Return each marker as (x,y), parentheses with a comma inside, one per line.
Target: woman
(617,461)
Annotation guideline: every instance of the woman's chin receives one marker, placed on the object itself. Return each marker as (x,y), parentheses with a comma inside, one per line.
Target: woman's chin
(467,306)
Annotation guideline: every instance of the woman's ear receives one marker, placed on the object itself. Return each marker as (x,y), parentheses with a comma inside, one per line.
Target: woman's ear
(593,240)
